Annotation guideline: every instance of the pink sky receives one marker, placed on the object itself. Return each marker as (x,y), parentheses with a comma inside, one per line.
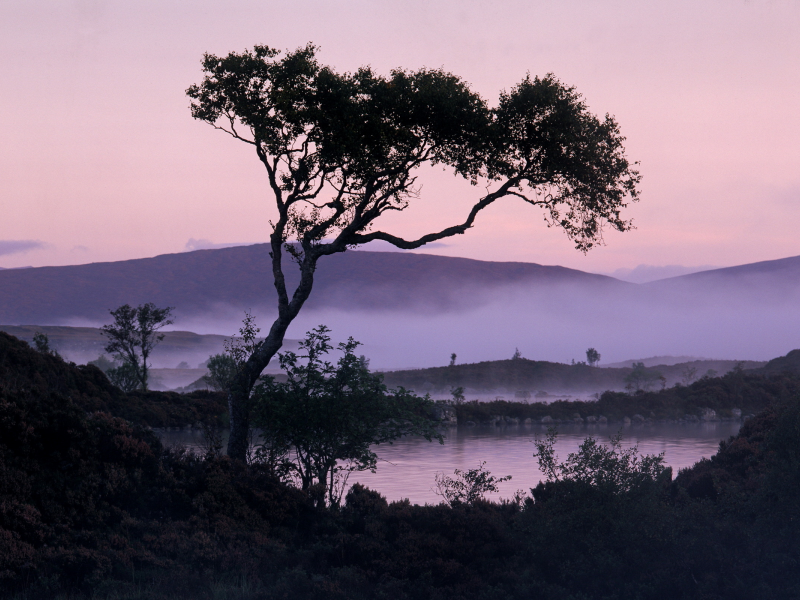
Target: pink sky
(100,159)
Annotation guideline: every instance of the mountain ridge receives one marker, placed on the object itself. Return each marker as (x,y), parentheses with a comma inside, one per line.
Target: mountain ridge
(241,276)
(789,266)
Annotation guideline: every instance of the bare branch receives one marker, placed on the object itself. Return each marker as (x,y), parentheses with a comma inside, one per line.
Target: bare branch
(432,237)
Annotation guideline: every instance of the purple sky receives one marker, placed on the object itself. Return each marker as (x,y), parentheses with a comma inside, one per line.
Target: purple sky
(100,159)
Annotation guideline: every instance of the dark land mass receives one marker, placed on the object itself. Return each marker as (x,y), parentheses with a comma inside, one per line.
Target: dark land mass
(84,344)
(739,394)
(783,364)
(93,506)
(22,368)
(200,282)
(523,378)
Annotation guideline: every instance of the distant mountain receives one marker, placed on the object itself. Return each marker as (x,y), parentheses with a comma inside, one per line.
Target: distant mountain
(648,273)
(416,309)
(201,281)
(651,361)
(781,273)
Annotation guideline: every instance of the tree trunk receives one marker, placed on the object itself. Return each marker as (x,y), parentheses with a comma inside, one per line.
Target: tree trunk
(239,396)
(239,414)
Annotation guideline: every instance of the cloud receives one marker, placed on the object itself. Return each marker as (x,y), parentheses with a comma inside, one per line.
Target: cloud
(202,244)
(19,246)
(80,248)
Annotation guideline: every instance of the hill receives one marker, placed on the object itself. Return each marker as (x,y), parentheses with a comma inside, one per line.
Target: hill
(199,282)
(783,364)
(83,344)
(26,372)
(523,378)
(764,277)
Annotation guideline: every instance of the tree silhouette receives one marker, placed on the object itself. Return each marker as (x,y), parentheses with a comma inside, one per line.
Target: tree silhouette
(340,150)
(592,357)
(132,337)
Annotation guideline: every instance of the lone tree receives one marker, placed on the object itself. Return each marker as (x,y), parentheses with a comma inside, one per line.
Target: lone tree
(132,337)
(592,357)
(342,149)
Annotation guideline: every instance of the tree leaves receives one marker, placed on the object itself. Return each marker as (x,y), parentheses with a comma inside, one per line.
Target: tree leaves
(323,421)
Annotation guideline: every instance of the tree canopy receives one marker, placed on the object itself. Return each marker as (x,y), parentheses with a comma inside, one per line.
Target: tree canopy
(341,149)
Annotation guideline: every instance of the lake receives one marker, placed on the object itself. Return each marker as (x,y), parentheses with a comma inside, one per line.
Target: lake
(407,468)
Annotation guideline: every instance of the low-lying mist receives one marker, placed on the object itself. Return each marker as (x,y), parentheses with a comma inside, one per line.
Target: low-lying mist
(557,323)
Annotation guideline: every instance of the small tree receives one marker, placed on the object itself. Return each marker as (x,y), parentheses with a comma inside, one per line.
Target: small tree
(133,335)
(458,395)
(592,357)
(611,468)
(221,372)
(42,344)
(688,375)
(517,354)
(321,424)
(125,376)
(467,487)
(103,363)
(642,380)
(453,357)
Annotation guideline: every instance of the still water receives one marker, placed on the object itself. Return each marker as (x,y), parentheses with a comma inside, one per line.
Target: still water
(407,468)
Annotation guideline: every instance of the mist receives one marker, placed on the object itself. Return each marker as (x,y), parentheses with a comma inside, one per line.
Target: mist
(555,323)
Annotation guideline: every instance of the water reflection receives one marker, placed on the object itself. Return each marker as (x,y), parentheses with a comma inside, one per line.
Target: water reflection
(407,467)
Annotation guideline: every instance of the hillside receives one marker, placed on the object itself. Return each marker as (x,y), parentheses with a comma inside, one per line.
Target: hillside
(651,361)
(199,282)
(25,372)
(765,277)
(783,364)
(83,344)
(525,378)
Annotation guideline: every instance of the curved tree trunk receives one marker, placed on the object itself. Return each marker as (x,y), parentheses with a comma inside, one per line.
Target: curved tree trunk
(239,403)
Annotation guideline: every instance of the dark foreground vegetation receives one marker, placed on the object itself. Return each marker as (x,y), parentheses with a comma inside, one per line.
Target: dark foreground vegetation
(88,388)
(93,506)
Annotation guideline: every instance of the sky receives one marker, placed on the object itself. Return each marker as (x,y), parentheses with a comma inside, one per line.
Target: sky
(100,159)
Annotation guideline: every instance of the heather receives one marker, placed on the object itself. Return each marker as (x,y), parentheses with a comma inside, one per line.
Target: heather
(93,506)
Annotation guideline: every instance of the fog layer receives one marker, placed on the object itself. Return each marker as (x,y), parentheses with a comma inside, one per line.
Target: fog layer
(558,323)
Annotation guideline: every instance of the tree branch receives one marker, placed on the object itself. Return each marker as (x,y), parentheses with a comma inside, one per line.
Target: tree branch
(399,242)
